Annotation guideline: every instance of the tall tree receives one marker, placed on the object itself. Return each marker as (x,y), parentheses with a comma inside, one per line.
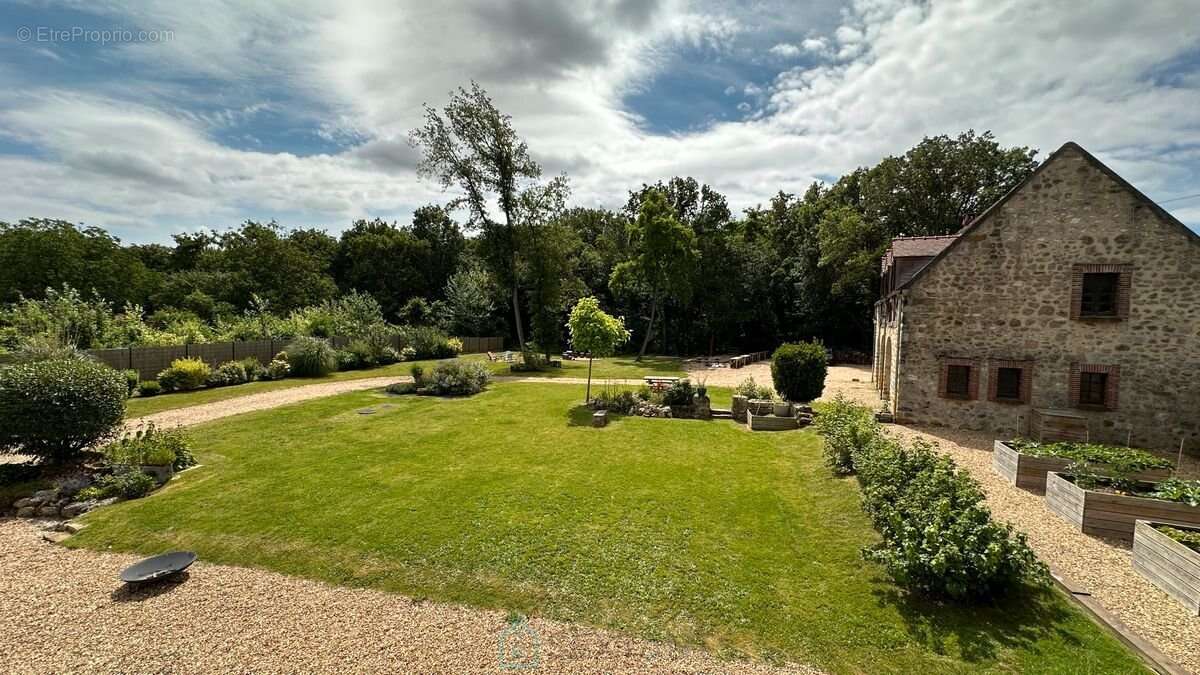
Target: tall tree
(384,261)
(444,247)
(473,146)
(596,332)
(664,255)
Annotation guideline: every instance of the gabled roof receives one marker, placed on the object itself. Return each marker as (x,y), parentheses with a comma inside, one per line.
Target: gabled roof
(1091,159)
(916,247)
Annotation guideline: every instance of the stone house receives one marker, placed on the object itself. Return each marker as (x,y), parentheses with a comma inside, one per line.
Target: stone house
(1070,308)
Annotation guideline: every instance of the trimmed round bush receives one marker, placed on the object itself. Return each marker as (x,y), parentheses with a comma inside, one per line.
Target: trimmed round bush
(149,388)
(185,375)
(311,357)
(54,410)
(798,371)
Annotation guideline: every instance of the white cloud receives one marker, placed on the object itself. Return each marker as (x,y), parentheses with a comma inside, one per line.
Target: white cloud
(135,155)
(785,50)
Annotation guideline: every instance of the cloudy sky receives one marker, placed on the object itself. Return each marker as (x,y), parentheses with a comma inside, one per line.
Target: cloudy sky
(203,114)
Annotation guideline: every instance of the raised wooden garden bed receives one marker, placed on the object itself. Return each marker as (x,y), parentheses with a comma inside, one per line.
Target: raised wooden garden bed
(1168,564)
(770,422)
(1111,516)
(1029,473)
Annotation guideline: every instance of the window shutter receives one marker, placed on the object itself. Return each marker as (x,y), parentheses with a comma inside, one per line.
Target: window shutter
(1110,389)
(943,377)
(1073,389)
(1123,287)
(973,383)
(1076,290)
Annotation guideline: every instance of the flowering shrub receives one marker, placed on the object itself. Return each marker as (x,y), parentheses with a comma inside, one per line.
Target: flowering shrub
(456,378)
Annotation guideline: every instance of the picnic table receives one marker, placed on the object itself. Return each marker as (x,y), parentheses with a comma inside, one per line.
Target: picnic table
(657,383)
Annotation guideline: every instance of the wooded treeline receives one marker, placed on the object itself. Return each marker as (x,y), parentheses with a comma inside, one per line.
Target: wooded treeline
(799,267)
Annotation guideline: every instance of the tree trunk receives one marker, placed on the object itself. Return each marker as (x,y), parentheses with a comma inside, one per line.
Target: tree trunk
(649,329)
(516,303)
(587,397)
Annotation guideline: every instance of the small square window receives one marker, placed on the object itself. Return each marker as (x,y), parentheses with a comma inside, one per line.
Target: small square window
(958,381)
(1008,384)
(1093,388)
(1099,294)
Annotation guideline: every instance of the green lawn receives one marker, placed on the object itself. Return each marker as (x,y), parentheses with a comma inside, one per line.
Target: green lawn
(618,367)
(690,531)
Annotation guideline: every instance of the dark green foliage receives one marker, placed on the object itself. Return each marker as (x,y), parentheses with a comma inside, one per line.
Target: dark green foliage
(938,535)
(54,410)
(798,371)
(124,482)
(149,388)
(847,429)
(1189,538)
(311,357)
(151,446)
(679,393)
(1178,490)
(418,374)
(428,342)
(235,372)
(1121,460)
(131,381)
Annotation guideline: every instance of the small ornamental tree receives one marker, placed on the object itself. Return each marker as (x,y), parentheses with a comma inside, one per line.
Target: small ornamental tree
(798,371)
(596,332)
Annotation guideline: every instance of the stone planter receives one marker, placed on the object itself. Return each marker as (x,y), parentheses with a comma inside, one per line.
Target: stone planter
(760,406)
(782,409)
(600,418)
(1109,515)
(161,472)
(1029,473)
(737,407)
(1168,564)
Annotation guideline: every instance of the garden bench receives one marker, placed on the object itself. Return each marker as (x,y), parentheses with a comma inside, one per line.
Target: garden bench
(659,383)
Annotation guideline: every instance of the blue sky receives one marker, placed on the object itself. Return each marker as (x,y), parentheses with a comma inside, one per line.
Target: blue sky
(191,115)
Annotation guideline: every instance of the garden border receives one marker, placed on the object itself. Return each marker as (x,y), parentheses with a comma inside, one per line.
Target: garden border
(1029,472)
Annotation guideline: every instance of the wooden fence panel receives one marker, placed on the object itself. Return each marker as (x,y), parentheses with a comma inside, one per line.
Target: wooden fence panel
(118,358)
(212,353)
(263,350)
(478,345)
(149,361)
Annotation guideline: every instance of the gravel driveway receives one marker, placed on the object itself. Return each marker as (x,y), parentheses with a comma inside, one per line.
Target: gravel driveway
(65,611)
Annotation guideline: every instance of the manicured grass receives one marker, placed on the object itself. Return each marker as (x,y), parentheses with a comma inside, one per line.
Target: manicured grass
(619,367)
(691,531)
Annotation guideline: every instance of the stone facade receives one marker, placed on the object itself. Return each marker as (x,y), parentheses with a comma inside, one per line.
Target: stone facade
(1006,294)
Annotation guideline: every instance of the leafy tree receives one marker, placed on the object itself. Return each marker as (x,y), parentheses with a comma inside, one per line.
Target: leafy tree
(445,244)
(664,253)
(38,253)
(595,332)
(417,312)
(472,146)
(469,302)
(383,260)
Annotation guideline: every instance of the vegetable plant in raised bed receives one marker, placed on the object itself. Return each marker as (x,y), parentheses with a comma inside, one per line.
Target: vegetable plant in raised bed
(1025,463)
(1109,506)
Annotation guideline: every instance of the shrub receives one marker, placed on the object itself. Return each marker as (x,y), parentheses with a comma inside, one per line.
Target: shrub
(401,388)
(679,393)
(232,372)
(798,371)
(847,430)
(751,389)
(457,378)
(1120,459)
(131,381)
(150,446)
(254,369)
(418,374)
(364,353)
(429,343)
(347,360)
(185,375)
(622,401)
(277,369)
(311,357)
(54,410)
(938,537)
(149,388)
(407,354)
(123,483)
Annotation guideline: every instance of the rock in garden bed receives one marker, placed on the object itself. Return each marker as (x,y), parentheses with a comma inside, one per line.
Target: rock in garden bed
(1111,514)
(1026,464)
(1167,562)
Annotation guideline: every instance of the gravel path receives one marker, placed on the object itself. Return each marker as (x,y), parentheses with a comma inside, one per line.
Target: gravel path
(197,414)
(65,611)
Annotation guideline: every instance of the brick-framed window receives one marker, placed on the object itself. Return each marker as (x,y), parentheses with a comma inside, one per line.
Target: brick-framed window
(1094,386)
(1100,291)
(1010,381)
(959,379)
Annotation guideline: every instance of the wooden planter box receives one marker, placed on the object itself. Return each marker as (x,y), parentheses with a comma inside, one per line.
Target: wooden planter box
(770,422)
(1167,563)
(1029,473)
(1108,515)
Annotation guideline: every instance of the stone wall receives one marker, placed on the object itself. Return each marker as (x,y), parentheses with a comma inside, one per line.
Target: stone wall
(1003,292)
